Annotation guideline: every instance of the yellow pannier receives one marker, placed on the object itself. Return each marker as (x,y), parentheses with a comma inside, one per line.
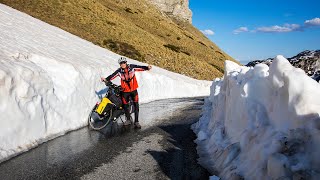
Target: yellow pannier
(104,103)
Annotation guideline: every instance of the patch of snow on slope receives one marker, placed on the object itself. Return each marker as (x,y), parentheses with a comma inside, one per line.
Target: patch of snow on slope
(261,123)
(49,79)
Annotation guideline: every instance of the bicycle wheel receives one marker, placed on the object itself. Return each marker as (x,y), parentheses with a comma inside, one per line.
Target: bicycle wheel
(96,122)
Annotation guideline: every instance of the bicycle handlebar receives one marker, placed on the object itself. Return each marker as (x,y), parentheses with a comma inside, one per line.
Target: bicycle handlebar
(112,85)
(108,83)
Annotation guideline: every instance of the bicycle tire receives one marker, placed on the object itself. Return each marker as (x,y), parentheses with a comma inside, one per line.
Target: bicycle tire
(107,120)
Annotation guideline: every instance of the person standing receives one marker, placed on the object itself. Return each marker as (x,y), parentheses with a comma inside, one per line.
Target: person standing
(129,86)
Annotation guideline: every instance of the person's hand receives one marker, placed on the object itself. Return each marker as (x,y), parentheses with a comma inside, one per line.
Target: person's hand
(103,79)
(149,67)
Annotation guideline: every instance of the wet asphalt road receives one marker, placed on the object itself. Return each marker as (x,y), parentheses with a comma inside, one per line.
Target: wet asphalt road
(164,150)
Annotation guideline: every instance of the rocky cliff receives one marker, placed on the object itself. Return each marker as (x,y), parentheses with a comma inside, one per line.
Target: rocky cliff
(176,8)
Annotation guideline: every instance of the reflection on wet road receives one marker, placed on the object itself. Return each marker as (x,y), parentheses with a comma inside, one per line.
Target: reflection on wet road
(118,152)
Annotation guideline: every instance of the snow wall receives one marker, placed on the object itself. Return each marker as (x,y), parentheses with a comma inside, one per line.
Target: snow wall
(50,79)
(261,123)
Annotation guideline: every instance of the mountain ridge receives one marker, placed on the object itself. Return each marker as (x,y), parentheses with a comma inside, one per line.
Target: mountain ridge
(133,28)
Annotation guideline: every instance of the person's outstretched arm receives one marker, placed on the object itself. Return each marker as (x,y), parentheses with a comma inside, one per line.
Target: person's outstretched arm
(112,76)
(140,68)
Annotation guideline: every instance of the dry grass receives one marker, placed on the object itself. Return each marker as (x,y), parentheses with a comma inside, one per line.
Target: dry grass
(133,28)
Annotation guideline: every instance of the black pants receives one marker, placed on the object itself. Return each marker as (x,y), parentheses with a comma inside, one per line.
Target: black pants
(135,99)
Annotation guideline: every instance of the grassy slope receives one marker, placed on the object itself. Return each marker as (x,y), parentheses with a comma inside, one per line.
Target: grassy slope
(133,28)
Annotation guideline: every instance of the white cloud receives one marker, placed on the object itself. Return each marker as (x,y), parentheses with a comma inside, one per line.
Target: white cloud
(207,32)
(312,22)
(280,29)
(241,30)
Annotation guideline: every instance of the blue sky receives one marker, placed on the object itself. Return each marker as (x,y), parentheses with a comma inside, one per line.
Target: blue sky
(249,29)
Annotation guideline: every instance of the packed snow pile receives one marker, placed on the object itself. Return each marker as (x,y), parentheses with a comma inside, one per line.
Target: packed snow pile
(261,123)
(307,60)
(50,79)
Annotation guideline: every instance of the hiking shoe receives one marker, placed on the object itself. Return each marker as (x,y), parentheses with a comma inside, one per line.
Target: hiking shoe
(127,123)
(137,125)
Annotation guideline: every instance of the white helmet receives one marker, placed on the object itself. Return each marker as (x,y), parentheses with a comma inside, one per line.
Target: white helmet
(122,59)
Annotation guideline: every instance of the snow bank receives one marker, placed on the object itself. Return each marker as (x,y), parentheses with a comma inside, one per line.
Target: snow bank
(49,79)
(261,123)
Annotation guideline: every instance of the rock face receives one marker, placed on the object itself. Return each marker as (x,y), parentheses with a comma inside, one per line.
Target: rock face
(176,8)
(309,61)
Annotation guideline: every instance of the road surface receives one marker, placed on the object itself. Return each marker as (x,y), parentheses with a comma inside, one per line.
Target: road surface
(162,149)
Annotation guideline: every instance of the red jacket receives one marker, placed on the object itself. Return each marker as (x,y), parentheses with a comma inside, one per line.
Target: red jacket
(128,79)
